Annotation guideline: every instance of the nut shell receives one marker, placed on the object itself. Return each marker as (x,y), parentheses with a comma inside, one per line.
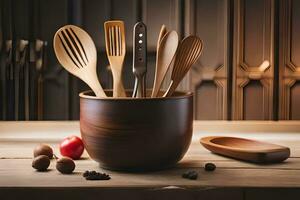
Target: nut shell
(43,149)
(41,163)
(65,165)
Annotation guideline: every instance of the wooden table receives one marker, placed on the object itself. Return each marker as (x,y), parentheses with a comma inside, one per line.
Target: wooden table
(231,180)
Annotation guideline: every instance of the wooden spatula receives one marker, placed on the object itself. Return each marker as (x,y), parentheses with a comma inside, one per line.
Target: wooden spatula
(165,54)
(76,52)
(245,149)
(162,33)
(187,54)
(116,50)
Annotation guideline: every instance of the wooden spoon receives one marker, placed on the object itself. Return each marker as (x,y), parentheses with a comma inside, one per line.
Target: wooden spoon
(165,54)
(115,50)
(187,54)
(245,149)
(162,33)
(76,52)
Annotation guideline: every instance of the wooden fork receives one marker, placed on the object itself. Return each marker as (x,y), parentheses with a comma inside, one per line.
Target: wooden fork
(115,50)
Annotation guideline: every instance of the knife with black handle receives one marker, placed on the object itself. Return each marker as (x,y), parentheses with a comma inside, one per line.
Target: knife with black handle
(139,59)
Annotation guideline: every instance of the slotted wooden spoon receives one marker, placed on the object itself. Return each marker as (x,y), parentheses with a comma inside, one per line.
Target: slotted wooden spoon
(115,50)
(76,52)
(165,54)
(187,54)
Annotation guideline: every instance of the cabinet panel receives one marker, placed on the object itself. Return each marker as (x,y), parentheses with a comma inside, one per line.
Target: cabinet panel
(95,13)
(295,98)
(155,13)
(210,21)
(253,57)
(54,81)
(289,60)
(207,100)
(253,94)
(2,63)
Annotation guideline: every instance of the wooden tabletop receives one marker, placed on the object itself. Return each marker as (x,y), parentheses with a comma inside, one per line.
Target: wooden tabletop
(232,179)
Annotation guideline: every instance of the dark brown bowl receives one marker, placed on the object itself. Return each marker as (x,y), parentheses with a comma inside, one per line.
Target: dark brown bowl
(136,134)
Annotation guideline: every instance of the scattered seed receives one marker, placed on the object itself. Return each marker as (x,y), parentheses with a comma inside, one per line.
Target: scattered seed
(192,175)
(65,165)
(41,163)
(93,175)
(210,167)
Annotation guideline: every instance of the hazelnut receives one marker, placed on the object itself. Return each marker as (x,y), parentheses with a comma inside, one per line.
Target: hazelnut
(43,149)
(65,165)
(41,163)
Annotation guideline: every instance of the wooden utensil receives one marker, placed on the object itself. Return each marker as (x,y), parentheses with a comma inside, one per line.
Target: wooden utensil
(245,149)
(115,50)
(139,59)
(162,33)
(165,54)
(120,139)
(187,54)
(76,52)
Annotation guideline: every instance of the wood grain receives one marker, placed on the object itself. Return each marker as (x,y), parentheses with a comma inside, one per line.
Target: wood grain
(289,63)
(209,76)
(116,50)
(246,149)
(136,134)
(232,179)
(252,96)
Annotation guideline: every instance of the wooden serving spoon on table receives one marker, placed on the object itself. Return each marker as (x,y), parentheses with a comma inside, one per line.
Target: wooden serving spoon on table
(187,54)
(76,52)
(246,149)
(165,54)
(116,50)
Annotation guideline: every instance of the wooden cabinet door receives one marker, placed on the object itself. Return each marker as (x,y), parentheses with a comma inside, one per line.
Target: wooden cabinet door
(289,60)
(253,60)
(209,76)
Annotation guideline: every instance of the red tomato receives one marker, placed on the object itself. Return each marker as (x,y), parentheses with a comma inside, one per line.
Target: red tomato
(71,147)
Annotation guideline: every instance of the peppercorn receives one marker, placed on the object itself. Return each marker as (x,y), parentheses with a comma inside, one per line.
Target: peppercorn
(192,175)
(93,175)
(86,173)
(210,167)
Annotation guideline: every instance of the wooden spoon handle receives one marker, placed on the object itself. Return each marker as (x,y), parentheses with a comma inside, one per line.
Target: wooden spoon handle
(98,90)
(93,82)
(172,87)
(119,90)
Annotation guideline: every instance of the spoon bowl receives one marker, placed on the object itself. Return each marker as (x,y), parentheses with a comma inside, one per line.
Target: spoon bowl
(76,52)
(165,54)
(187,54)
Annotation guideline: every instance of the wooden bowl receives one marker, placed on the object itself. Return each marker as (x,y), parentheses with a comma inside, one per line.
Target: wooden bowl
(136,134)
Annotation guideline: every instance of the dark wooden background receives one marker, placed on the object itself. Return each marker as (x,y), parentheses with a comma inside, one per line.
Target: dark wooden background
(238,35)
